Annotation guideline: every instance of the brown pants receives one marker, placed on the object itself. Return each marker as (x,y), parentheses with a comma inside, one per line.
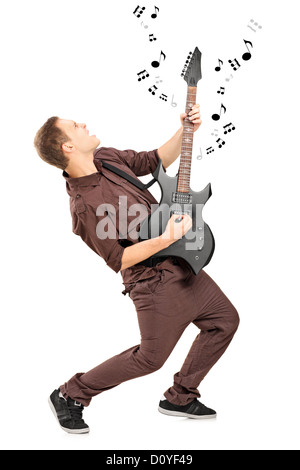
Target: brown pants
(166,303)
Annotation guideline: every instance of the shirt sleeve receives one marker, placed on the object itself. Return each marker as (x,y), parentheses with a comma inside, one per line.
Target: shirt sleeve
(141,163)
(110,249)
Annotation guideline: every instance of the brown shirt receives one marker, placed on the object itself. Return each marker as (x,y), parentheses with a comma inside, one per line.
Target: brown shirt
(105,188)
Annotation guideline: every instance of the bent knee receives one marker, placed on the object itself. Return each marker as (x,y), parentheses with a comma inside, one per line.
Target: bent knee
(234,319)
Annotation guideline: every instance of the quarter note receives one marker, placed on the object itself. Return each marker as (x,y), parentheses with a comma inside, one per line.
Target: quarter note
(217,69)
(156,64)
(139,11)
(247,55)
(142,75)
(154,15)
(216,117)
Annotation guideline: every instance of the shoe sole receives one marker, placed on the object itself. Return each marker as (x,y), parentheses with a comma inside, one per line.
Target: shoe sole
(185,415)
(70,431)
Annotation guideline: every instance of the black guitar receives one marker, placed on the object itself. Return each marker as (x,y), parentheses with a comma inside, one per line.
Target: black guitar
(197,245)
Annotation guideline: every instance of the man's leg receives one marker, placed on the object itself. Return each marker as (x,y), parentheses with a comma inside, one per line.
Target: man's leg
(218,321)
(161,325)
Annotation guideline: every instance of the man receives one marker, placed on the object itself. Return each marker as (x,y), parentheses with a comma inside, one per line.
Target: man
(166,293)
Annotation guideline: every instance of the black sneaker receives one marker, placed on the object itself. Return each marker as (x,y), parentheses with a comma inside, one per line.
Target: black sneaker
(68,413)
(195,410)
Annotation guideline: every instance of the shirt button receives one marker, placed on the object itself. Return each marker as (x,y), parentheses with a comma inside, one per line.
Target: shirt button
(77,196)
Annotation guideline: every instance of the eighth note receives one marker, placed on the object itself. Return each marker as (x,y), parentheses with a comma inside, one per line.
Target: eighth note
(152,89)
(156,64)
(230,127)
(209,150)
(217,69)
(222,90)
(234,64)
(247,55)
(154,15)
(143,74)
(139,11)
(221,143)
(216,117)
(151,38)
(163,97)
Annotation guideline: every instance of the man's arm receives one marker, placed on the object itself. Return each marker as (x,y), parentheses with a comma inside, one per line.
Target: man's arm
(139,251)
(171,149)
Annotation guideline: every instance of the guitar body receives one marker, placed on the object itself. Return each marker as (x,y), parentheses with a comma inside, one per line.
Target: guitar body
(197,246)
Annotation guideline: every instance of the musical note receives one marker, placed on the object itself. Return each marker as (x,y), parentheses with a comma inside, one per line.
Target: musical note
(156,64)
(257,26)
(151,37)
(234,63)
(230,128)
(214,133)
(158,81)
(247,55)
(154,15)
(221,143)
(152,89)
(139,11)
(145,26)
(209,150)
(222,90)
(173,103)
(227,79)
(144,74)
(217,69)
(199,157)
(163,97)
(216,117)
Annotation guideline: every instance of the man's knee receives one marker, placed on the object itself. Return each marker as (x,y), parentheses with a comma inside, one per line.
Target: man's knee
(234,320)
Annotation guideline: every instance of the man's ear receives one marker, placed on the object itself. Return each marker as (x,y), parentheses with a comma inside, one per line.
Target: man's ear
(68,147)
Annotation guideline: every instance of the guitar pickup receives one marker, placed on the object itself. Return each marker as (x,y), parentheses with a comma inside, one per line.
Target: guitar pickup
(182,198)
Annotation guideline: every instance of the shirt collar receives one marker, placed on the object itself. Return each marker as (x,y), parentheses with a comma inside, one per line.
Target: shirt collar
(73,184)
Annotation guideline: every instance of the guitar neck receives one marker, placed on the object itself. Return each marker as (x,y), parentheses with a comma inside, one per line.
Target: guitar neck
(184,173)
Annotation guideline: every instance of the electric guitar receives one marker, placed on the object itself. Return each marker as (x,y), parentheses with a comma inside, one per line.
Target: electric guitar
(196,247)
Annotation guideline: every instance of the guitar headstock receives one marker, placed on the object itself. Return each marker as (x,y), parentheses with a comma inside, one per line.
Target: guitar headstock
(192,69)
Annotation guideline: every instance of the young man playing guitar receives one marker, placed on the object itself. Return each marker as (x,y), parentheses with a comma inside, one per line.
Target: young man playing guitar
(167,294)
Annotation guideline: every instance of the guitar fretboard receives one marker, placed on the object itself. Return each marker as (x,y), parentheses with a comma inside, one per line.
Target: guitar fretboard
(184,173)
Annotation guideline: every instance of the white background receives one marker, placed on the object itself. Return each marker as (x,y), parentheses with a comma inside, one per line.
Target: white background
(62,310)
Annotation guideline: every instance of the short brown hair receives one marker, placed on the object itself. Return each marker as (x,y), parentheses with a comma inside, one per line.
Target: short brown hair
(48,141)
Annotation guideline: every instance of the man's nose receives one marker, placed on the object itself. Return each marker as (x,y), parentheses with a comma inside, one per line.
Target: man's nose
(83,125)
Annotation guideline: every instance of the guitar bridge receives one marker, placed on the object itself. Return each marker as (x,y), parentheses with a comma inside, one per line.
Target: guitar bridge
(182,198)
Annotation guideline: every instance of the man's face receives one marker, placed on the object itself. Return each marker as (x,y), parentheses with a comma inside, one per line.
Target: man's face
(79,135)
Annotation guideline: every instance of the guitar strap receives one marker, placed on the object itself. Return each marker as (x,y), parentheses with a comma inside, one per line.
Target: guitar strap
(129,178)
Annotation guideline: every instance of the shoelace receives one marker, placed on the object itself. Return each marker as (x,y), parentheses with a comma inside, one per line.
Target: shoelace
(75,410)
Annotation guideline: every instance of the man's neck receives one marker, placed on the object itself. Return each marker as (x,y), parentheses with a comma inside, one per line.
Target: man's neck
(81,168)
